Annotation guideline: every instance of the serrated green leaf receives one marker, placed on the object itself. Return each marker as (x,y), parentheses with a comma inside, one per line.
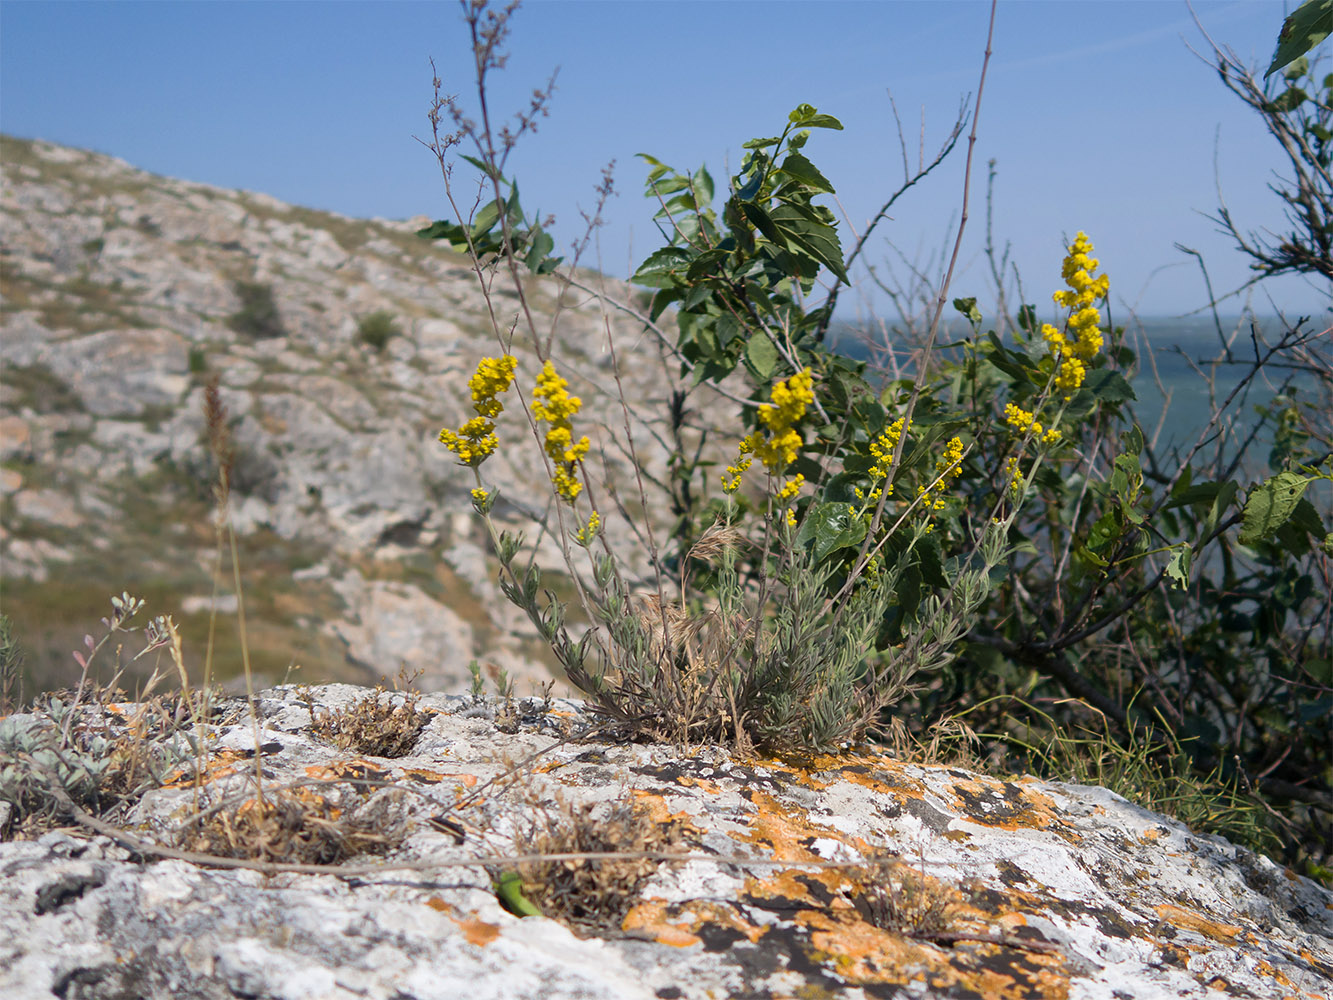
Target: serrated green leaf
(797,166)
(1108,386)
(1178,567)
(831,526)
(761,356)
(760,220)
(1305,27)
(762,143)
(703,186)
(664,268)
(1270,505)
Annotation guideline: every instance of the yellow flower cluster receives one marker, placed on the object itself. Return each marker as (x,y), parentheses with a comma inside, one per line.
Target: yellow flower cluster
(1081,339)
(1015,477)
(553,405)
(948,467)
(779,447)
(883,447)
(475,441)
(1021,420)
(587,533)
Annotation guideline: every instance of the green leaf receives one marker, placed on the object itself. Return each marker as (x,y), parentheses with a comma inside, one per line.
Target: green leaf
(509,891)
(1221,504)
(489,171)
(664,268)
(761,221)
(761,356)
(1270,505)
(797,166)
(831,526)
(1305,27)
(538,260)
(1027,318)
(1178,568)
(703,186)
(968,307)
(803,229)
(1320,668)
(1287,101)
(441,229)
(1297,70)
(762,143)
(1108,386)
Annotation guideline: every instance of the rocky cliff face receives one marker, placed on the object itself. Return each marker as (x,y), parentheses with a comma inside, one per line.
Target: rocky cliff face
(123,293)
(840,877)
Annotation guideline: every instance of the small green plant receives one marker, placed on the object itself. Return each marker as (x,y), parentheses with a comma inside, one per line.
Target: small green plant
(258,317)
(62,760)
(11,667)
(198,361)
(376,329)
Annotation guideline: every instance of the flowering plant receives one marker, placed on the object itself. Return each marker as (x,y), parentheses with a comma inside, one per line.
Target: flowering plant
(984,522)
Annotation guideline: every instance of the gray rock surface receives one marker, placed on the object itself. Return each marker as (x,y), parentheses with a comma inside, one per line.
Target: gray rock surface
(1039,889)
(121,292)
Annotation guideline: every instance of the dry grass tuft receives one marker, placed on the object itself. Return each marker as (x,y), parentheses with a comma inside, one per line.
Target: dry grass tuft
(594,895)
(371,726)
(899,899)
(294,826)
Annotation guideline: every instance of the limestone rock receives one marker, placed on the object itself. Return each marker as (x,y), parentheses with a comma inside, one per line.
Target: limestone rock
(979,887)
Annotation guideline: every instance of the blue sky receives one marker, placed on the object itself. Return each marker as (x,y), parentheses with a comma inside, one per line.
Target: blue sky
(1098,114)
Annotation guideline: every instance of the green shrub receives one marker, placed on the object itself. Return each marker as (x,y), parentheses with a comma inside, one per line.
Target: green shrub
(258,316)
(376,329)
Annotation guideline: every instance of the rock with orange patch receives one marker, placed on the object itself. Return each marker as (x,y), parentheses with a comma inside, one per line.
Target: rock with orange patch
(844,878)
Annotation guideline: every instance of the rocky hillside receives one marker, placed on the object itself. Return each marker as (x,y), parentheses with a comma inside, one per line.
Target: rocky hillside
(342,347)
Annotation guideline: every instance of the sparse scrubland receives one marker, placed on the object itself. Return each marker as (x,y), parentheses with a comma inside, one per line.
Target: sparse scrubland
(970,552)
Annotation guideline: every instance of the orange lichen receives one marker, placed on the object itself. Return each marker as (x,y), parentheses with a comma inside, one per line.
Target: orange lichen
(1185,919)
(790,832)
(657,810)
(224,764)
(477,931)
(678,924)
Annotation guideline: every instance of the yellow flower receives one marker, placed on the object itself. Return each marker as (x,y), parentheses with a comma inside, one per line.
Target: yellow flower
(788,400)
(553,405)
(1070,376)
(949,466)
(792,487)
(1081,340)
(1013,475)
(587,533)
(1020,419)
(480,495)
(475,441)
(882,449)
